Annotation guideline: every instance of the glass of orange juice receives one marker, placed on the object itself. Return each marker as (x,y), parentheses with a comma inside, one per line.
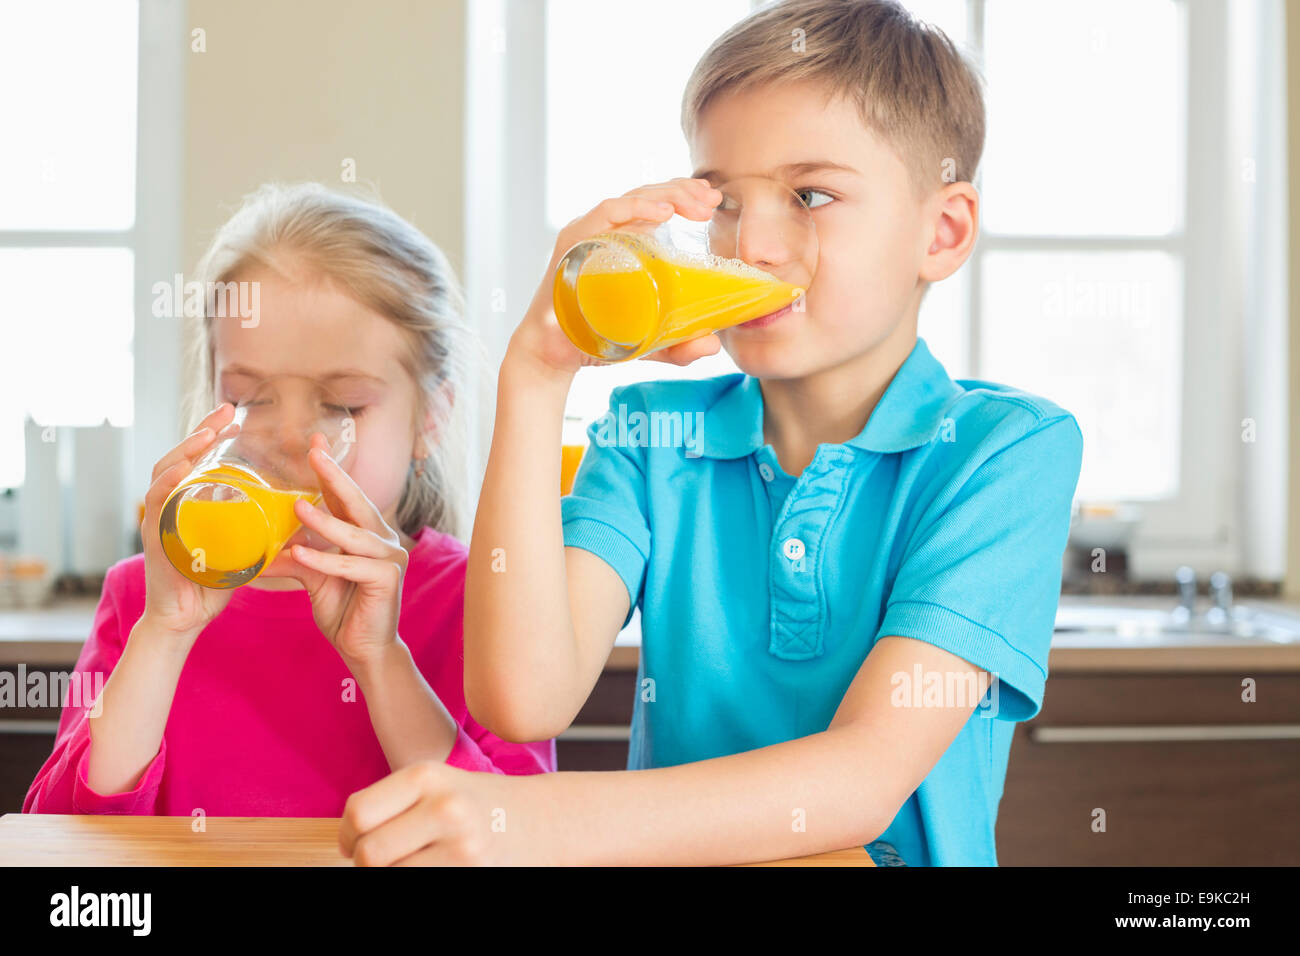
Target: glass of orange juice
(623,294)
(228,519)
(573,445)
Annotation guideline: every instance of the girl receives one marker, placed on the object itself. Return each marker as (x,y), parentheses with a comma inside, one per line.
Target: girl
(283,697)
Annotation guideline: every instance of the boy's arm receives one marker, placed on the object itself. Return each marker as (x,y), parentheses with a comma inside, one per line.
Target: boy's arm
(540,619)
(835,789)
(532,654)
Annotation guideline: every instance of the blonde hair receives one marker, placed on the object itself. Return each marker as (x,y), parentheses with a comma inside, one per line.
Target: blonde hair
(910,83)
(387,264)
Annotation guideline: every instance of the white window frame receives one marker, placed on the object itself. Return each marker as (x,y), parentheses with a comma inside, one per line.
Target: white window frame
(156,243)
(1224,515)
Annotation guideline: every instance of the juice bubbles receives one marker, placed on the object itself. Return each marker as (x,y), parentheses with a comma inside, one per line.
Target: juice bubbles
(625,293)
(227,520)
(223,526)
(628,294)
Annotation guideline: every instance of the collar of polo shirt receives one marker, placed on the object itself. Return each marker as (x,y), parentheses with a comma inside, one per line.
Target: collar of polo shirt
(909,413)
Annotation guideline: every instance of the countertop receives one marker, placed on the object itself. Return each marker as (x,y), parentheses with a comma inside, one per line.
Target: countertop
(53,635)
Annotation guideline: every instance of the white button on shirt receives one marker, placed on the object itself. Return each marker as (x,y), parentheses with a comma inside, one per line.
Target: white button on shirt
(766,471)
(792,548)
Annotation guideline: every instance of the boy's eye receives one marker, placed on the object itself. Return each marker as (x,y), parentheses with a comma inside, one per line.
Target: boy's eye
(807,197)
(351,410)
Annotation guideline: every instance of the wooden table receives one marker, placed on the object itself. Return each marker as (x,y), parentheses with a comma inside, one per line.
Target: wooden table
(43,839)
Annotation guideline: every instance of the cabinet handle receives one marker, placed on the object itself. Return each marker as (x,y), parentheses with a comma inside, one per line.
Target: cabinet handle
(586,733)
(29,726)
(1147,734)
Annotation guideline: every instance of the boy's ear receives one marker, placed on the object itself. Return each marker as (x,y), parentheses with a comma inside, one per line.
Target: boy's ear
(955,218)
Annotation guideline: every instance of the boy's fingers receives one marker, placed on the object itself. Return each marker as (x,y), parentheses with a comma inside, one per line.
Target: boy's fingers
(401,837)
(689,200)
(370,808)
(684,353)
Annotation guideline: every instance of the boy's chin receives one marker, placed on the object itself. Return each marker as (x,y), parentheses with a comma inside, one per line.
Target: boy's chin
(772,359)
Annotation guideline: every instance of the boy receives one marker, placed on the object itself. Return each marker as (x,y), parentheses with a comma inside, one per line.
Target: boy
(859,542)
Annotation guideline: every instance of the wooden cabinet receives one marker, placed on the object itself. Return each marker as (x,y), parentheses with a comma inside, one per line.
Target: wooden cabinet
(1186,772)
(26,739)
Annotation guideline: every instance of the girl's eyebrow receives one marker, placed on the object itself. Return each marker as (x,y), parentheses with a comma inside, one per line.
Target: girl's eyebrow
(787,169)
(327,377)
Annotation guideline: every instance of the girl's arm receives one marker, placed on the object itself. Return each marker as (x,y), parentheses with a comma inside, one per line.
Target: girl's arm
(117,748)
(410,721)
(828,791)
(137,699)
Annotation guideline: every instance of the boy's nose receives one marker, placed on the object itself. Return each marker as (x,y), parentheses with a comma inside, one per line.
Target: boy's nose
(763,244)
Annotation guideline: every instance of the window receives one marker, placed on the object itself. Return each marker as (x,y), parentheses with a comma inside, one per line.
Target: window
(69,70)
(1124,235)
(89,222)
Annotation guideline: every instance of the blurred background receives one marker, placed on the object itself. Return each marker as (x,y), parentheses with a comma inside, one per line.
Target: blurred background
(1132,266)
(1131,263)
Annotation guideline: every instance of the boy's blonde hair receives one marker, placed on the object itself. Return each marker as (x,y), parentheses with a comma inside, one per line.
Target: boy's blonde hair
(910,83)
(386,264)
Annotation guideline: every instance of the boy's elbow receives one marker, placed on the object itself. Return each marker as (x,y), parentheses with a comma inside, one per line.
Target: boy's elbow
(510,717)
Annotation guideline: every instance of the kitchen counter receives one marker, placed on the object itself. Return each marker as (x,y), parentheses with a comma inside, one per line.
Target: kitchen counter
(53,635)
(40,839)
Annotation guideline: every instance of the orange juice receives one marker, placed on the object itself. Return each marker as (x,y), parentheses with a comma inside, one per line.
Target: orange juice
(570,459)
(622,295)
(223,526)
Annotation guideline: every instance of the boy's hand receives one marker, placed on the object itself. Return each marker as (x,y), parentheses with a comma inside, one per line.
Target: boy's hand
(539,339)
(427,814)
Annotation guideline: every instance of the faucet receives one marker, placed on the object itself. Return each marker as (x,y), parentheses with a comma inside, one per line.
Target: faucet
(1220,616)
(1183,613)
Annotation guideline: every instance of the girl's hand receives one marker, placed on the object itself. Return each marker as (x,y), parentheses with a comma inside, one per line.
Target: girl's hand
(356,595)
(539,338)
(428,814)
(173,603)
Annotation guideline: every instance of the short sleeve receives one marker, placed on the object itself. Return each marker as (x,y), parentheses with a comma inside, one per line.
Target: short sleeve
(606,512)
(982,577)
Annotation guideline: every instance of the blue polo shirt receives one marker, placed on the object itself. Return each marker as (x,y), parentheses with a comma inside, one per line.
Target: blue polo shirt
(761,593)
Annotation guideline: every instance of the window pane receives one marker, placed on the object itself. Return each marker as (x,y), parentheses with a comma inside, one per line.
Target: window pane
(1101,335)
(68,71)
(945,325)
(948,15)
(614,81)
(68,328)
(1085,117)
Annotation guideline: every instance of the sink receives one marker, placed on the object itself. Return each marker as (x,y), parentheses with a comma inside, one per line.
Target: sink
(1082,625)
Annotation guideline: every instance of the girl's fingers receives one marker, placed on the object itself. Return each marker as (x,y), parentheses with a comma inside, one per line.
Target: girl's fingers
(350,567)
(217,421)
(343,496)
(348,537)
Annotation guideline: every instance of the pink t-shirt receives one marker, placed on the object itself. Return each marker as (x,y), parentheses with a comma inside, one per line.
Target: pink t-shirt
(263,723)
